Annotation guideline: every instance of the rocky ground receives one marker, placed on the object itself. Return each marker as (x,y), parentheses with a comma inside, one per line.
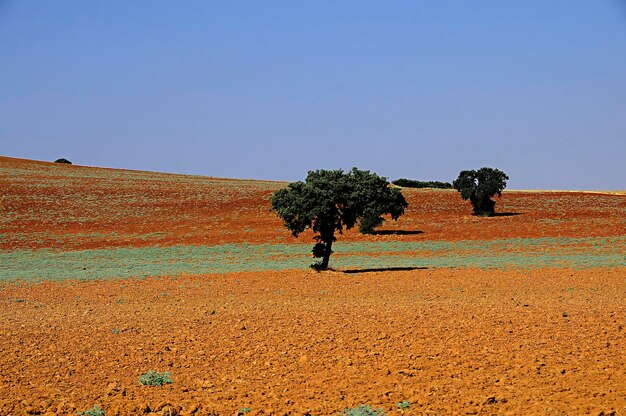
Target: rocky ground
(449,341)
(103,279)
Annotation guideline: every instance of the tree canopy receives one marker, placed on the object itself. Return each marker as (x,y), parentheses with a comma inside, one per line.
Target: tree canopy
(479,186)
(330,201)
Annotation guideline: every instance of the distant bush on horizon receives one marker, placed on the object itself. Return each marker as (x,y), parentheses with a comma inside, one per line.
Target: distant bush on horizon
(410,183)
(63,160)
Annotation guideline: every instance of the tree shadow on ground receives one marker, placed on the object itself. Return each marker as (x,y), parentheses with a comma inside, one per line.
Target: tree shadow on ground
(506,214)
(397,232)
(383,269)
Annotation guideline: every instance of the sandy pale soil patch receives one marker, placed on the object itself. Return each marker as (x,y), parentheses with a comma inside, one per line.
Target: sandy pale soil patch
(449,341)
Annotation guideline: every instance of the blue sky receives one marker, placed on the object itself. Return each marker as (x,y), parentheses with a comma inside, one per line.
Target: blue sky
(269,90)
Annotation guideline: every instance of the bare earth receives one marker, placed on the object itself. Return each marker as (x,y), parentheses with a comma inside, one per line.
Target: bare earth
(449,340)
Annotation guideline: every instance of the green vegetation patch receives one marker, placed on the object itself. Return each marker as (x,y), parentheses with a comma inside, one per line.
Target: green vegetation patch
(525,253)
(363,410)
(154,378)
(94,411)
(410,183)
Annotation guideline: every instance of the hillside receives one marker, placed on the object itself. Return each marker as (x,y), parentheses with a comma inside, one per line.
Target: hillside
(225,225)
(107,274)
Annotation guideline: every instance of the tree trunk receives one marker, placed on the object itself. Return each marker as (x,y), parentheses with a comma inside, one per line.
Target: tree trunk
(327,252)
(483,207)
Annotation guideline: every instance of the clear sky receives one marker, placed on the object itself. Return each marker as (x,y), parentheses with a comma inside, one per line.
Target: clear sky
(271,89)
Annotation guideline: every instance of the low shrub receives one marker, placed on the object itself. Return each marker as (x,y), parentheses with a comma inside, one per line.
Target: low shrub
(410,183)
(154,378)
(403,405)
(63,160)
(94,411)
(363,410)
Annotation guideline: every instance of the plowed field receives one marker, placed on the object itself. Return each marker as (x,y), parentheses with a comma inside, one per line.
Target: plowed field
(107,274)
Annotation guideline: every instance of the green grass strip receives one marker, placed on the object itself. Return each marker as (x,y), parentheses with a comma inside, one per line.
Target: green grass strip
(578,253)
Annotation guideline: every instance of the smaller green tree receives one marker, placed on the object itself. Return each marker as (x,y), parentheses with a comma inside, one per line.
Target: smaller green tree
(330,200)
(63,160)
(479,186)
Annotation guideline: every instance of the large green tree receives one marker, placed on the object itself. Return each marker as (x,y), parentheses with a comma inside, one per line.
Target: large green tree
(479,186)
(330,200)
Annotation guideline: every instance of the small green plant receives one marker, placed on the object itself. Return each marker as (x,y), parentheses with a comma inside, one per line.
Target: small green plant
(154,378)
(115,331)
(363,410)
(94,411)
(243,411)
(403,405)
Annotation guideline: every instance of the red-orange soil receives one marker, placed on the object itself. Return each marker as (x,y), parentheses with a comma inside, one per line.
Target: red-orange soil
(75,207)
(450,341)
